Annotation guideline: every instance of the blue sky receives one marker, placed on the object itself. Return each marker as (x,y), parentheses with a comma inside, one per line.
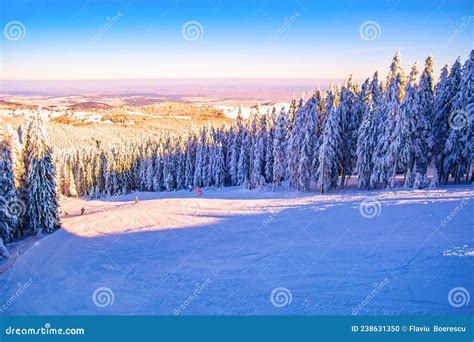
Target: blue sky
(245,39)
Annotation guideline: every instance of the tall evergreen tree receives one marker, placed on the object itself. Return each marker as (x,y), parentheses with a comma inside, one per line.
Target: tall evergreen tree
(368,134)
(329,159)
(279,149)
(43,205)
(445,93)
(425,116)
(459,148)
(10,207)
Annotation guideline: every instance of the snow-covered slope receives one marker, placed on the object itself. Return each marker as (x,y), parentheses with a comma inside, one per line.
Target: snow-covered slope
(251,252)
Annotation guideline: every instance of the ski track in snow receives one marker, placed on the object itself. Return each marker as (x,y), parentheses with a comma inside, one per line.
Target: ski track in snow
(224,253)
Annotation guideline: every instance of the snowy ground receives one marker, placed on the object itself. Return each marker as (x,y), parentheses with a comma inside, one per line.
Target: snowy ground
(252,252)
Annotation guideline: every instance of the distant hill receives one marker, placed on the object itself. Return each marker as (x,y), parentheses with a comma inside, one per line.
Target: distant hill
(90,105)
(12,105)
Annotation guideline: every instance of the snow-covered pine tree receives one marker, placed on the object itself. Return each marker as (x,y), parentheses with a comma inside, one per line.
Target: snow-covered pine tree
(271,121)
(279,149)
(43,205)
(395,69)
(445,93)
(190,161)
(244,162)
(4,254)
(348,128)
(305,161)
(219,167)
(169,171)
(10,207)
(328,166)
(235,153)
(362,104)
(318,122)
(459,148)
(440,126)
(180,158)
(386,154)
(16,150)
(258,165)
(306,142)
(382,170)
(425,116)
(368,134)
(401,151)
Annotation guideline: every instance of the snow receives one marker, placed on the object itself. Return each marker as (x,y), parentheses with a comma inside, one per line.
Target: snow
(232,111)
(229,250)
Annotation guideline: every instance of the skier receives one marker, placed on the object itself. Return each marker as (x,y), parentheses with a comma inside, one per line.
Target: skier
(198,191)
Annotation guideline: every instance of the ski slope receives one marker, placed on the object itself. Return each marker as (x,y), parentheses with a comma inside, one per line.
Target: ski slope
(233,251)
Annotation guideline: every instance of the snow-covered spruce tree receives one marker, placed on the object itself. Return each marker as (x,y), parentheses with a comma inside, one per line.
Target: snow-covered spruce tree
(4,254)
(368,134)
(10,207)
(219,167)
(180,168)
(271,121)
(318,119)
(43,205)
(307,140)
(440,126)
(279,149)
(150,173)
(169,171)
(190,161)
(459,148)
(382,170)
(228,137)
(445,93)
(395,69)
(295,137)
(244,162)
(258,165)
(200,167)
(425,116)
(401,151)
(387,159)
(234,157)
(362,103)
(16,151)
(348,128)
(24,162)
(328,166)
(305,161)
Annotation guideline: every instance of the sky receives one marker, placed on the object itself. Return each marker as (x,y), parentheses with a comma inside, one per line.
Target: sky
(136,39)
